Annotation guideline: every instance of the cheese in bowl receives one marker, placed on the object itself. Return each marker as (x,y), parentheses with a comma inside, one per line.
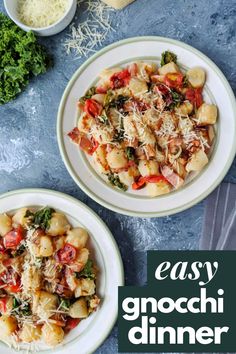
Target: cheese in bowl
(41,13)
(47,277)
(147,126)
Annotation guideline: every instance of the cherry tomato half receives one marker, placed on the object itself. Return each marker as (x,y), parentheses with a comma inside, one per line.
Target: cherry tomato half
(67,254)
(13,238)
(120,79)
(71,323)
(92,108)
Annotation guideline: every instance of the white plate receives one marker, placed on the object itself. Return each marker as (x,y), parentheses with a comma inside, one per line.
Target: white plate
(217,90)
(91,332)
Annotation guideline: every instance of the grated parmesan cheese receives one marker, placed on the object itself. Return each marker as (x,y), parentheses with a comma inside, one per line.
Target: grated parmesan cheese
(41,13)
(88,35)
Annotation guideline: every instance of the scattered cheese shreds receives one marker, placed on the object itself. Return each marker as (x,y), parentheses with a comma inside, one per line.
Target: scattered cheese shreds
(41,13)
(88,35)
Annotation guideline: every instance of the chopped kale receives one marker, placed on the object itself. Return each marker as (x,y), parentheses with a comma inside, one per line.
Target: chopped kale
(21,309)
(185,81)
(64,304)
(88,271)
(19,251)
(42,218)
(168,57)
(174,100)
(103,118)
(114,102)
(130,153)
(88,95)
(115,181)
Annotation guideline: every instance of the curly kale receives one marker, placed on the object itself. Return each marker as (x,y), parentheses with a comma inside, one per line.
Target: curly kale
(21,57)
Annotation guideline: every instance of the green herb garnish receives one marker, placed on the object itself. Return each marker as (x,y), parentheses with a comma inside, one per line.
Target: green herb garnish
(177,99)
(20,250)
(88,95)
(185,81)
(118,102)
(21,57)
(21,309)
(64,304)
(42,218)
(103,118)
(115,181)
(130,153)
(88,271)
(168,57)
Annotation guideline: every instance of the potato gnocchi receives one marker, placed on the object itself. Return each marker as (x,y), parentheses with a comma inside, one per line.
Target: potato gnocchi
(47,277)
(147,127)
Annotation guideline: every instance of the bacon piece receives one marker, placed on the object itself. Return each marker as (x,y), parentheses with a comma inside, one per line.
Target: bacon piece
(173,178)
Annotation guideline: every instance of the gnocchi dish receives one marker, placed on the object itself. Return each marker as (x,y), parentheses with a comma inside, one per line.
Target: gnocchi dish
(47,277)
(147,126)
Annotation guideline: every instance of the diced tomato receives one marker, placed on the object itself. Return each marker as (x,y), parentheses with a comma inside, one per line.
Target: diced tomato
(92,108)
(147,179)
(13,238)
(3,305)
(133,69)
(174,80)
(139,183)
(101,89)
(14,288)
(71,323)
(120,79)
(194,96)
(67,254)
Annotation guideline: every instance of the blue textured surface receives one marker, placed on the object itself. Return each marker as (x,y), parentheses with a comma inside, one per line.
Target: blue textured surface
(29,155)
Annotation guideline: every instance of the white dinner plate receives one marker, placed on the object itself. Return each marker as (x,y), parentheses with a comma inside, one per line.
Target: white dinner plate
(217,90)
(91,332)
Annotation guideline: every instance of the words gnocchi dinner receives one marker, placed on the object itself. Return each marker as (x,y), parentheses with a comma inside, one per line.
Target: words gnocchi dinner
(147,127)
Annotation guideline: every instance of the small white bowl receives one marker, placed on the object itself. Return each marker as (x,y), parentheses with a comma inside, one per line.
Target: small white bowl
(60,25)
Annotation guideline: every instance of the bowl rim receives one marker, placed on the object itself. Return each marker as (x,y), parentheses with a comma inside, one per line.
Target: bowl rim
(38,29)
(60,134)
(101,222)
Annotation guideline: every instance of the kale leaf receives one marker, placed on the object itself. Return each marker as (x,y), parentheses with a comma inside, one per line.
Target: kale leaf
(21,57)
(88,95)
(19,308)
(64,304)
(130,153)
(42,217)
(88,271)
(115,181)
(168,57)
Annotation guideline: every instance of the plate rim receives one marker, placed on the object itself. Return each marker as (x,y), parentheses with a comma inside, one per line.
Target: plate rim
(65,158)
(101,222)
